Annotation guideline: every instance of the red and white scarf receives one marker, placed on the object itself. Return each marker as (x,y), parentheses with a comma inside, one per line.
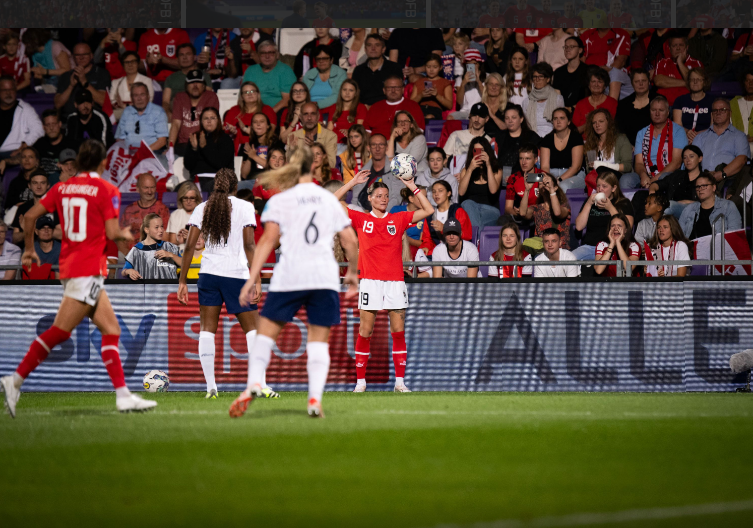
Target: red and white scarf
(217,59)
(663,153)
(653,271)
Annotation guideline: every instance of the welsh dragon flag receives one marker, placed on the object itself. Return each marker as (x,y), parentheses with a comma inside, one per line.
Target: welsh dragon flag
(736,247)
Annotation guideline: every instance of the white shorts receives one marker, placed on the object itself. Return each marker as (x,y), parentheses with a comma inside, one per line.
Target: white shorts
(84,289)
(382,295)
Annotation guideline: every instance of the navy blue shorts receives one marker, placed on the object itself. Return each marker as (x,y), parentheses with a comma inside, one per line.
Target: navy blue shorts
(322,306)
(215,290)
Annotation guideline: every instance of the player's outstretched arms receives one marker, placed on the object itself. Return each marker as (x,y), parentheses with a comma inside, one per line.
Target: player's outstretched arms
(361,177)
(425,209)
(349,242)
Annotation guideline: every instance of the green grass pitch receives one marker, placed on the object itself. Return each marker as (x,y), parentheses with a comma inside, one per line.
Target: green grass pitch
(380,460)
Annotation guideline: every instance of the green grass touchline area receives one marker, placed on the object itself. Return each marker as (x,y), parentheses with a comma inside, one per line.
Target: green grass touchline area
(422,460)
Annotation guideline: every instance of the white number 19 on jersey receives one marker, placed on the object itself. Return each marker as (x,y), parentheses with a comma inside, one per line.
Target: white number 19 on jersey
(74,217)
(368,227)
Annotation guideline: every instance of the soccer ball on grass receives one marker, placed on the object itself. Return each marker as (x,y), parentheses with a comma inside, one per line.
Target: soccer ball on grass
(404,166)
(156,381)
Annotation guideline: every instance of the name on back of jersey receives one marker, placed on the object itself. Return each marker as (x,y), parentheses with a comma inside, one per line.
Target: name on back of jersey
(309,200)
(77,188)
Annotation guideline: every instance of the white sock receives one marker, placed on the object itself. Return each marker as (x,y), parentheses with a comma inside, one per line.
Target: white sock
(399,381)
(259,359)
(17,380)
(122,392)
(360,382)
(206,355)
(318,368)
(250,341)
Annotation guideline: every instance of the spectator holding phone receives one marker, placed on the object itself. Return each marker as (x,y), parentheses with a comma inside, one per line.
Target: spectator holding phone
(479,184)
(433,93)
(469,91)
(523,183)
(189,197)
(551,211)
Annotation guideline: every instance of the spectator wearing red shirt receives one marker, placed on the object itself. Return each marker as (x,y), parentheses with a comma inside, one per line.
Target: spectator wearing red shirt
(14,64)
(133,215)
(237,120)
(187,108)
(671,75)
(571,19)
(346,112)
(492,19)
(159,48)
(380,115)
(521,14)
(606,47)
(109,51)
(618,17)
(528,37)
(743,48)
(517,187)
(598,80)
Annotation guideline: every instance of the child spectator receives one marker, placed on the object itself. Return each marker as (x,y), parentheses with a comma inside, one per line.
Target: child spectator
(518,77)
(668,243)
(552,209)
(14,64)
(198,253)
(433,93)
(618,244)
(469,91)
(152,258)
(437,172)
(510,249)
(433,228)
(357,152)
(460,43)
(347,112)
(655,205)
(261,137)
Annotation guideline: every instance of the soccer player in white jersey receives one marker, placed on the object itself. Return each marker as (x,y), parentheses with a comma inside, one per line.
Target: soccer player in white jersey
(304,219)
(227,224)
(380,265)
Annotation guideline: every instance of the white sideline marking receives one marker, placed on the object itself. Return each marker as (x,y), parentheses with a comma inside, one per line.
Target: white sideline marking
(585,519)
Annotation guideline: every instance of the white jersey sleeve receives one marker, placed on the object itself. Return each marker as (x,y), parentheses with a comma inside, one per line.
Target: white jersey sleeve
(197,216)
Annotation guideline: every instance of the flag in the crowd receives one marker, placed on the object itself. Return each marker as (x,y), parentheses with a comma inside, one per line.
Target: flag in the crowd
(736,247)
(107,108)
(125,164)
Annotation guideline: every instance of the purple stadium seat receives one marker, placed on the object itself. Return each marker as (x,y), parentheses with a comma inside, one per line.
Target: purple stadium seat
(728,90)
(40,101)
(433,131)
(474,236)
(488,243)
(9,176)
(170,199)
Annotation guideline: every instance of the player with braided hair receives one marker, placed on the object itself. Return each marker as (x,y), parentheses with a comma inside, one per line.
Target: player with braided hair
(227,224)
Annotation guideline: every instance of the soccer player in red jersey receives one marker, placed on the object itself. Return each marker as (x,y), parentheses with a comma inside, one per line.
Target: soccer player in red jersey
(322,20)
(702,21)
(521,15)
(546,18)
(617,17)
(492,19)
(159,48)
(380,266)
(88,208)
(571,19)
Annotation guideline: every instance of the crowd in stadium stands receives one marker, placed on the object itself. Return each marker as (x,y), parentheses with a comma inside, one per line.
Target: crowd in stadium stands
(65,13)
(571,144)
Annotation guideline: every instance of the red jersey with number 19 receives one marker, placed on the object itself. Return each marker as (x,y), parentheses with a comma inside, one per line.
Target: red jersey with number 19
(84,203)
(380,244)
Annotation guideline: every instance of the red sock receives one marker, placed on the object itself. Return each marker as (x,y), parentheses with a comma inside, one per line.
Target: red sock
(111,359)
(399,353)
(40,349)
(363,345)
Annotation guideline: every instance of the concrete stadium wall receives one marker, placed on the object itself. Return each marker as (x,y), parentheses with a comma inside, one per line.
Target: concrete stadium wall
(462,336)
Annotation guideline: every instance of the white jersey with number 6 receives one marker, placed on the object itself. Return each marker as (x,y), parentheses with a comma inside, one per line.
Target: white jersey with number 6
(309,218)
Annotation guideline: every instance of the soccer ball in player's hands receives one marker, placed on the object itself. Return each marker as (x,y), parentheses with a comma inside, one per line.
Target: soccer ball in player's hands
(404,166)
(156,381)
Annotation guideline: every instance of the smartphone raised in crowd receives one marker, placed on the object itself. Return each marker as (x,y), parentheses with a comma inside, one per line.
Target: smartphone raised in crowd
(535,177)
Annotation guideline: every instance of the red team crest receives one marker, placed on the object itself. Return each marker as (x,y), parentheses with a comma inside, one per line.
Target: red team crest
(170,50)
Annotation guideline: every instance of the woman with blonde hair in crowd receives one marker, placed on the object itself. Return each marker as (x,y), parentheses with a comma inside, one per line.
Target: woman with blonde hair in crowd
(510,249)
(668,243)
(494,97)
(237,120)
(189,196)
(356,154)
(407,138)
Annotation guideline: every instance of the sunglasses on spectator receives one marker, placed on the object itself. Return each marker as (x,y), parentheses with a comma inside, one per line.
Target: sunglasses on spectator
(246,92)
(702,186)
(538,77)
(189,198)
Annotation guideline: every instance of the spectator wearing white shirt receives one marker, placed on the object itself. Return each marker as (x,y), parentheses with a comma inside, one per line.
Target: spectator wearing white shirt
(24,127)
(668,243)
(457,143)
(553,252)
(455,249)
(10,254)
